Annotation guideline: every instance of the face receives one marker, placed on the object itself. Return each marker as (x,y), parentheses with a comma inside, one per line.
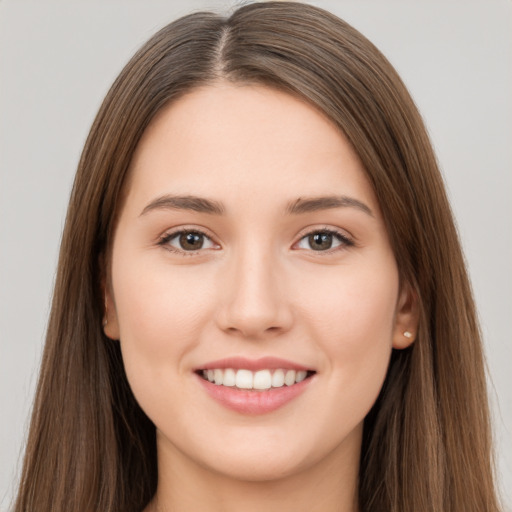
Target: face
(252,285)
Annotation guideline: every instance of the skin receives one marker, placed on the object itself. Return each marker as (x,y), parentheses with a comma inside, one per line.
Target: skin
(256,288)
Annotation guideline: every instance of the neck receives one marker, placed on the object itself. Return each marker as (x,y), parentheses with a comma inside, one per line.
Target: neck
(328,485)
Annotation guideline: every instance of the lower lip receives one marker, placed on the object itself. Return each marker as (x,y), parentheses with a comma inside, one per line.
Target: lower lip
(246,401)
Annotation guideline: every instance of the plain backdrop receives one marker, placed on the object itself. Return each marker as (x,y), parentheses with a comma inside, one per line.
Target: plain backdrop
(57,61)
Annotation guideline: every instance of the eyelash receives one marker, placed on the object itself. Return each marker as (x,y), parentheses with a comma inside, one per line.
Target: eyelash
(345,241)
(167,237)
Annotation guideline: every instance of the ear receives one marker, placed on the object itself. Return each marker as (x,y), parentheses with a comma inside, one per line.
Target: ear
(110,322)
(406,318)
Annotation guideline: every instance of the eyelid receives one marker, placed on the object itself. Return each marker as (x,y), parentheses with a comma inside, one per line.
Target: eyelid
(346,239)
(166,236)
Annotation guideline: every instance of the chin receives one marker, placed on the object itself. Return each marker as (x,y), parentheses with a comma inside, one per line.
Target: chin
(259,468)
(276,457)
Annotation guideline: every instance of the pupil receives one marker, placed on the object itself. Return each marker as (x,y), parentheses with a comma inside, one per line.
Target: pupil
(191,241)
(320,241)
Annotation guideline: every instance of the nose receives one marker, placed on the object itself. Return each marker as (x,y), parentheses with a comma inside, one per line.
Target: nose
(254,303)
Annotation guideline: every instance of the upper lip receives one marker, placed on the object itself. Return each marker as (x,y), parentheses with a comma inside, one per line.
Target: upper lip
(263,363)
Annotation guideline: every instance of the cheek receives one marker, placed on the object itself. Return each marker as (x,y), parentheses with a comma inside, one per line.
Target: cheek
(161,313)
(351,318)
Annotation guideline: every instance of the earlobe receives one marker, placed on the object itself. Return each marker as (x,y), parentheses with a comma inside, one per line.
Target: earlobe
(406,318)
(109,323)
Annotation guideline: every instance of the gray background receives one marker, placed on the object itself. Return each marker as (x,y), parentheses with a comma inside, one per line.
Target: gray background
(57,60)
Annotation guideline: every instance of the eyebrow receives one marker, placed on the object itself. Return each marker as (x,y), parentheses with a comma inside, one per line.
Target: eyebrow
(313,204)
(297,207)
(192,203)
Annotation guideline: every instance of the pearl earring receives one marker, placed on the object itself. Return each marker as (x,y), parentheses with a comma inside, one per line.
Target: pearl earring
(408,334)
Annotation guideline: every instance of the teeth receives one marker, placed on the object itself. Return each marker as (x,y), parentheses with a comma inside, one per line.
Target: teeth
(301,375)
(260,380)
(229,377)
(244,379)
(289,378)
(278,379)
(218,376)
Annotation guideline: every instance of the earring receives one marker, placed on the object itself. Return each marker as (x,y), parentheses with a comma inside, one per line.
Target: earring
(408,334)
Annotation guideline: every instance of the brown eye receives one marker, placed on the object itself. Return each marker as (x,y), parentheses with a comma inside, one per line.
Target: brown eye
(187,241)
(320,241)
(191,241)
(324,241)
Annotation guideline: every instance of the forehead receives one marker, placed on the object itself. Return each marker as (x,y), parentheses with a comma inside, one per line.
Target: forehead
(245,141)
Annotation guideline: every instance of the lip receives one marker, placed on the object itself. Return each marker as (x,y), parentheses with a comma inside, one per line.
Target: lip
(263,363)
(254,402)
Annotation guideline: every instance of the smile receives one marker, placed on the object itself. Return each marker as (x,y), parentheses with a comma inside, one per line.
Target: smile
(259,380)
(254,386)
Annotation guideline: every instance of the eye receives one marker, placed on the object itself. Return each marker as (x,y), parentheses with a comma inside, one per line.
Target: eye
(187,241)
(324,240)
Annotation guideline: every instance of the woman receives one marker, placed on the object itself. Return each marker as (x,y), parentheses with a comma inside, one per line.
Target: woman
(261,299)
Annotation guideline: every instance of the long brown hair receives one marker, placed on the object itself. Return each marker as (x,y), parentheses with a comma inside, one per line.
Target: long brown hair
(426,443)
